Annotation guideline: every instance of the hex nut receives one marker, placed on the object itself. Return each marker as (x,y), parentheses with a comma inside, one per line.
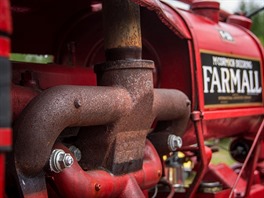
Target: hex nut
(76,152)
(59,160)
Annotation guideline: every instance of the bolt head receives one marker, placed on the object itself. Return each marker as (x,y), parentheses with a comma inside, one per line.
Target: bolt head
(77,103)
(68,160)
(60,160)
(97,187)
(174,142)
(76,152)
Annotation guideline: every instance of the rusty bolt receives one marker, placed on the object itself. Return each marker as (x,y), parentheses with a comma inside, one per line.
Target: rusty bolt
(77,103)
(97,187)
(59,160)
(174,142)
(188,103)
(76,152)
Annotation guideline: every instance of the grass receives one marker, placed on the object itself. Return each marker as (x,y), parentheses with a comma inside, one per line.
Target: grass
(223,155)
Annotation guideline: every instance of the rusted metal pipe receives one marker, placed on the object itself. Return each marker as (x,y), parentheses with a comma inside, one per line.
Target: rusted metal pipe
(64,106)
(172,105)
(122,30)
(60,107)
(136,77)
(172,110)
(125,111)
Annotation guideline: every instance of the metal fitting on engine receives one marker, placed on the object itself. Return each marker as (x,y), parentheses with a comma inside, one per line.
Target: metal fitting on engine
(76,152)
(174,142)
(60,160)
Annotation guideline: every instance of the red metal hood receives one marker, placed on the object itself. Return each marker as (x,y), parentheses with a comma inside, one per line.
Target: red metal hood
(166,11)
(168,16)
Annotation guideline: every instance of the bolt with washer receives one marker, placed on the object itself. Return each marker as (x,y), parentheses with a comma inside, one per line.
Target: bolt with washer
(59,160)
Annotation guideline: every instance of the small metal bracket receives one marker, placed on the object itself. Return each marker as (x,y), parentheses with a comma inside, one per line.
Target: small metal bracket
(197,115)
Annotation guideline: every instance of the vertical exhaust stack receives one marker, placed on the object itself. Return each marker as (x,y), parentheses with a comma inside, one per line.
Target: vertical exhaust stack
(125,68)
(122,30)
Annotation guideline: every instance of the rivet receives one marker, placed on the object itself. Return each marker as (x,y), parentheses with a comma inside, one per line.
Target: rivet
(77,103)
(97,187)
(159,173)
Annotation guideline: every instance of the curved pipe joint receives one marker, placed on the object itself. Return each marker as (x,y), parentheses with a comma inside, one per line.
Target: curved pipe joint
(172,108)
(60,107)
(172,105)
(74,182)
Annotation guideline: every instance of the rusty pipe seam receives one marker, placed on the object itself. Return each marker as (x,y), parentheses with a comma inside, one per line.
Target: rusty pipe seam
(74,182)
(57,108)
(172,105)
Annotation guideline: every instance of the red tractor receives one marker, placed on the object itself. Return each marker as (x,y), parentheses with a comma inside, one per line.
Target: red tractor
(111,98)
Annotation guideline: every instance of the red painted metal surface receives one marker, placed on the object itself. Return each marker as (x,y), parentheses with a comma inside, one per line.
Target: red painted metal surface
(257,141)
(168,17)
(240,20)
(207,9)
(5,17)
(5,137)
(74,182)
(205,154)
(5,47)
(175,46)
(205,33)
(50,75)
(21,96)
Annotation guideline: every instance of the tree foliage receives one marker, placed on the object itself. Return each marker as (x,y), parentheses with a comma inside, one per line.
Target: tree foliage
(257,20)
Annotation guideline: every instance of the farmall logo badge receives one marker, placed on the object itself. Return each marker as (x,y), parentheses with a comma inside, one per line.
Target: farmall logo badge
(231,81)
(226,35)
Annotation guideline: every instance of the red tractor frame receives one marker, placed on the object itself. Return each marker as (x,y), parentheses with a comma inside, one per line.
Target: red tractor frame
(107,93)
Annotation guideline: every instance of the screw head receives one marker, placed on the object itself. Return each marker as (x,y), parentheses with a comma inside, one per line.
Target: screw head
(77,103)
(97,187)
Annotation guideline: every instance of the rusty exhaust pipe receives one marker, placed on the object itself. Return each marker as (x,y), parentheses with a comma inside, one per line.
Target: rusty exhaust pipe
(60,107)
(126,108)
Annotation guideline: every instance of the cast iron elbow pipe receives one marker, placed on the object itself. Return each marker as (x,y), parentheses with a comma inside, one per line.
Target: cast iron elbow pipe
(172,105)
(57,108)
(65,106)
(172,108)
